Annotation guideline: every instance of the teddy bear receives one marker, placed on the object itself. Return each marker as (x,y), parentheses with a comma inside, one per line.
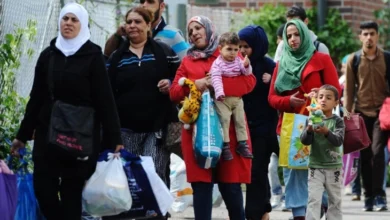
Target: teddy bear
(190,105)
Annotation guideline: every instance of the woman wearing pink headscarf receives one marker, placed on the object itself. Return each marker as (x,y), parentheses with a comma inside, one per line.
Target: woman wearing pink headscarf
(228,174)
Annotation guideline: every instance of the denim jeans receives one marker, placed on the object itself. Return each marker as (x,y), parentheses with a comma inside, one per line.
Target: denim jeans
(276,187)
(203,200)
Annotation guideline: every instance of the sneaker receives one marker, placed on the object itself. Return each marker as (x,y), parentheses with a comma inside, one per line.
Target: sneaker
(356,198)
(368,204)
(276,201)
(381,203)
(243,150)
(226,153)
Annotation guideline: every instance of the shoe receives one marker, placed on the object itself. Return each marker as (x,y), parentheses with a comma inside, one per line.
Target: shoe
(381,203)
(299,218)
(226,153)
(356,198)
(243,150)
(324,210)
(276,201)
(368,204)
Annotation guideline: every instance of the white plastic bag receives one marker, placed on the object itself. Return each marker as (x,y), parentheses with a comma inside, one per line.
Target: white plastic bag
(160,190)
(107,191)
(181,190)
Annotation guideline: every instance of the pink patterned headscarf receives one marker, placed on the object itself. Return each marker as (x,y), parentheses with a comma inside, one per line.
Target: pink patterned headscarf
(211,35)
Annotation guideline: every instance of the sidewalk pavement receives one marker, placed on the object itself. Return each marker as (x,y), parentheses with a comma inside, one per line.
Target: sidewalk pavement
(352,210)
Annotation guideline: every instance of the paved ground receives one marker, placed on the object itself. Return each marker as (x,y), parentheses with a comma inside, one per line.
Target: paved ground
(352,211)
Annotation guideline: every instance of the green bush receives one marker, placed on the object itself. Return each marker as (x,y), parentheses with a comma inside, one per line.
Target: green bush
(12,106)
(269,17)
(335,34)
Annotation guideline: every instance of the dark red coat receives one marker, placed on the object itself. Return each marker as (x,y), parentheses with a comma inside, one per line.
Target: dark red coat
(237,170)
(320,63)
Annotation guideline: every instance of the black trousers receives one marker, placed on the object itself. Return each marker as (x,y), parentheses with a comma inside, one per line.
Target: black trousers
(258,192)
(373,159)
(58,186)
(203,200)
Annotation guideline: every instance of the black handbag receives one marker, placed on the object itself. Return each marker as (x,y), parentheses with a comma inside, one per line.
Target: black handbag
(71,127)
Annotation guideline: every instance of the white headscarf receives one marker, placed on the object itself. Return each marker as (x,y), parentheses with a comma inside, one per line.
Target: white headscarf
(71,46)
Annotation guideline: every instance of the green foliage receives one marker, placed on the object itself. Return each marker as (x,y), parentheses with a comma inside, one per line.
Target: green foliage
(383,15)
(12,106)
(269,17)
(335,34)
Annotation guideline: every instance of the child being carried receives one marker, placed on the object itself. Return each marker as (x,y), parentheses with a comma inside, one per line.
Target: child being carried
(229,64)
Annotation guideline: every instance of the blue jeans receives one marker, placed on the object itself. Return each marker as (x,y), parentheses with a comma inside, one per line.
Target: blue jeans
(203,200)
(276,187)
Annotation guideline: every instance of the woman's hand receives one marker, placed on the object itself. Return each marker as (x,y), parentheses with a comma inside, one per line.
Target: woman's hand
(266,78)
(296,102)
(16,145)
(164,85)
(118,148)
(203,84)
(313,93)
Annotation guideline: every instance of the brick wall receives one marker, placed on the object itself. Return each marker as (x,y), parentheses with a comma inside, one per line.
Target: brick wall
(354,11)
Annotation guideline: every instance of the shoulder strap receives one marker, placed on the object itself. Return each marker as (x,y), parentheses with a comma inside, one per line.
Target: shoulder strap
(356,62)
(387,61)
(317,44)
(50,81)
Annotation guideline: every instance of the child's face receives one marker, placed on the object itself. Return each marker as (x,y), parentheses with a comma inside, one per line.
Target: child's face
(327,100)
(229,52)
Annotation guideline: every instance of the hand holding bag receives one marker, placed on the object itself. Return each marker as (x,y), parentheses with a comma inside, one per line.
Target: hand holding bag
(71,126)
(356,137)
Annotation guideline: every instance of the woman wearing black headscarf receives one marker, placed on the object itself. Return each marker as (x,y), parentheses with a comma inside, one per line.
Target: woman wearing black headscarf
(262,121)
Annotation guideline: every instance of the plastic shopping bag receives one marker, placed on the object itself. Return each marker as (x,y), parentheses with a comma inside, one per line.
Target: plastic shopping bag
(107,191)
(208,135)
(150,195)
(350,166)
(8,192)
(293,154)
(180,189)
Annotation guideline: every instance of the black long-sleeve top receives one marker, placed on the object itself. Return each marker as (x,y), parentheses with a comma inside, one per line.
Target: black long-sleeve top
(79,79)
(141,106)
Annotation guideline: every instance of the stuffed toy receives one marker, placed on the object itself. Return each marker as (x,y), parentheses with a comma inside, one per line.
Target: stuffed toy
(316,118)
(191,105)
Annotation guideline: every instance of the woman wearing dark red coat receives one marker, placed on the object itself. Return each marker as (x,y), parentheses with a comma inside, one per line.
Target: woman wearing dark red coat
(228,174)
(300,71)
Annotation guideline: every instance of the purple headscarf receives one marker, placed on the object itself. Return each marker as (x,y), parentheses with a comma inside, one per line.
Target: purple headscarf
(211,37)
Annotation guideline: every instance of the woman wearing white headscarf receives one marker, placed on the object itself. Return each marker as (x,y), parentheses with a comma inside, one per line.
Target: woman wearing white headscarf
(79,78)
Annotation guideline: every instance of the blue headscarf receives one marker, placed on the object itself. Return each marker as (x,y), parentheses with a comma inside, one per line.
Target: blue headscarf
(257,39)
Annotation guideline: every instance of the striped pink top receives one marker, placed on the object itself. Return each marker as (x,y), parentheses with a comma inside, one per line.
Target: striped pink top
(222,68)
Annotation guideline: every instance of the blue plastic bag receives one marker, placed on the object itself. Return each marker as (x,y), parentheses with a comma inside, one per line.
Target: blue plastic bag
(208,134)
(27,207)
(8,196)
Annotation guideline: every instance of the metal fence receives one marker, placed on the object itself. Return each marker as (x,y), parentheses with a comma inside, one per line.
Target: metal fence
(105,15)
(224,20)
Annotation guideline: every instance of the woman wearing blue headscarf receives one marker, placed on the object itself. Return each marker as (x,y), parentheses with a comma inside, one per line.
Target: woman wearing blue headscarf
(262,121)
